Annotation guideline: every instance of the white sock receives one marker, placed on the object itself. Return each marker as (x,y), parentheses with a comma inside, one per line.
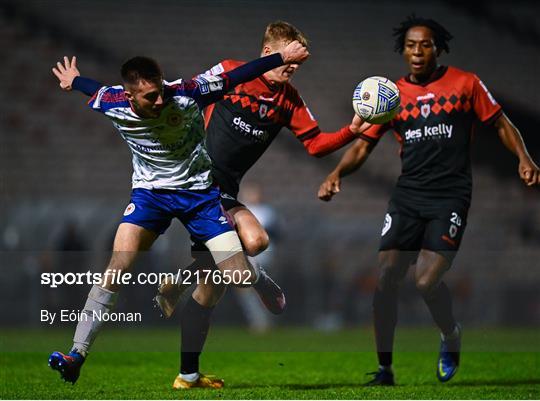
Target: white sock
(99,300)
(190,377)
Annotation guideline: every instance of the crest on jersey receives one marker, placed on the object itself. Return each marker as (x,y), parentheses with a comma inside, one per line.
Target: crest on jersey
(129,209)
(263,109)
(425,109)
(175,119)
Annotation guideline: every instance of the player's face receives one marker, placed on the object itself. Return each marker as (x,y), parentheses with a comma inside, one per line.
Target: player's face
(285,72)
(146,98)
(420,52)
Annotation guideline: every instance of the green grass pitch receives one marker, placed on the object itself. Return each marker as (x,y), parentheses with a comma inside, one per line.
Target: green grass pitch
(282,364)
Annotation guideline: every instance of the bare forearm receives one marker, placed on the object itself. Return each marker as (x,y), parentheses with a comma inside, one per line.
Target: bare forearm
(353,158)
(511,137)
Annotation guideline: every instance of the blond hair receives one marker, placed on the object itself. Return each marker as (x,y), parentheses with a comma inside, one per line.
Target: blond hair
(281,30)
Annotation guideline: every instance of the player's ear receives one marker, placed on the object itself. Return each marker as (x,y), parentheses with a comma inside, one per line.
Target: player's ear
(129,95)
(267,50)
(129,90)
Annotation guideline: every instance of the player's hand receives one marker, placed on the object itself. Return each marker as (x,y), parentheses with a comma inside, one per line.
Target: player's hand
(329,187)
(66,72)
(358,125)
(529,172)
(294,53)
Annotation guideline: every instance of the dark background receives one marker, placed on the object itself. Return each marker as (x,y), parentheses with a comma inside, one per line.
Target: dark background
(66,174)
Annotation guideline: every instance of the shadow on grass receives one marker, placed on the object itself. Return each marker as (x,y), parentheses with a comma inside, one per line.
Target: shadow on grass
(292,386)
(496,382)
(327,386)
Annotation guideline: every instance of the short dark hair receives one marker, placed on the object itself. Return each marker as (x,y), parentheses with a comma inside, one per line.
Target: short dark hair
(140,67)
(441,36)
(281,30)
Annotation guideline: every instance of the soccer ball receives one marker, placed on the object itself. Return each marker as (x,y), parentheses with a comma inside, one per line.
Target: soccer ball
(376,100)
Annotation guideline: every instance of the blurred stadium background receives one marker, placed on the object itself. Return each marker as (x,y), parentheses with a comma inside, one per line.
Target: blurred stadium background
(65,172)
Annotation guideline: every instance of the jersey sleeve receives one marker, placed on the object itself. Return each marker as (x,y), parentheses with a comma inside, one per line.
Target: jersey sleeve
(206,89)
(86,85)
(223,66)
(485,106)
(108,97)
(317,143)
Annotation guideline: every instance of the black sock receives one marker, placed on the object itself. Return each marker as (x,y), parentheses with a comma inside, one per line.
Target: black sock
(439,302)
(195,323)
(202,261)
(385,305)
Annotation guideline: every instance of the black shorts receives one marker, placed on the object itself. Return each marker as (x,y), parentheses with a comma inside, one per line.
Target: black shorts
(229,189)
(229,201)
(436,225)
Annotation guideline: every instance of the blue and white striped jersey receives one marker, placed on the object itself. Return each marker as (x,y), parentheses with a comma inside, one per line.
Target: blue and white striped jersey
(168,151)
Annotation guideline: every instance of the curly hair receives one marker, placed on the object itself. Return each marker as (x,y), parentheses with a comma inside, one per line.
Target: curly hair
(441,36)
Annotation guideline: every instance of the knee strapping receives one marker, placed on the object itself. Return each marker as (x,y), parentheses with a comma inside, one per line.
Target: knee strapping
(224,246)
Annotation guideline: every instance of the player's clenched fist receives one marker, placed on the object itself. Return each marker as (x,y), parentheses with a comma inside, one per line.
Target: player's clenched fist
(329,187)
(529,172)
(66,72)
(294,53)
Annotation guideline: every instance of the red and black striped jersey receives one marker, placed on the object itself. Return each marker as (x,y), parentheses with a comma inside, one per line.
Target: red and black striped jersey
(434,127)
(242,126)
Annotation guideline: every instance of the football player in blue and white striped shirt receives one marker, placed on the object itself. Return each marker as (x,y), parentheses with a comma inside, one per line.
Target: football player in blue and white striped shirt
(163,126)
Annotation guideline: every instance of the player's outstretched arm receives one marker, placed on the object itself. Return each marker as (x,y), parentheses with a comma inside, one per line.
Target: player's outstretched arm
(66,72)
(294,53)
(351,161)
(319,143)
(210,89)
(512,139)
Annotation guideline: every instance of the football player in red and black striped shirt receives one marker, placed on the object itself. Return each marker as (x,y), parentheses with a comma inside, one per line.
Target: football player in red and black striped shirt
(239,130)
(427,213)
(243,125)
